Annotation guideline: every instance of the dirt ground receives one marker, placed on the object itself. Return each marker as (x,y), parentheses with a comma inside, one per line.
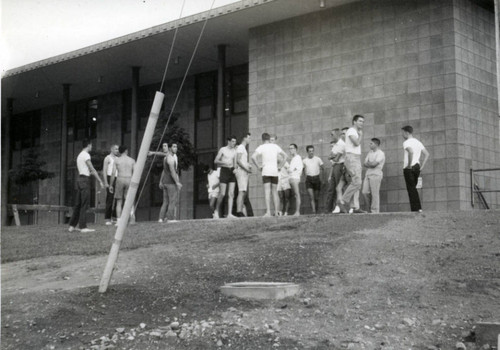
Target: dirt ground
(388,281)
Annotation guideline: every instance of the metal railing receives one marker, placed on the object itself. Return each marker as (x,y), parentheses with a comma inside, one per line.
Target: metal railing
(475,189)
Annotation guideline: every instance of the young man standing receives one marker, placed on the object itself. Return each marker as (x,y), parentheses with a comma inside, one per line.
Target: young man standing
(225,159)
(170,184)
(85,168)
(273,158)
(313,167)
(354,137)
(295,171)
(123,168)
(413,150)
(374,162)
(241,172)
(337,157)
(107,171)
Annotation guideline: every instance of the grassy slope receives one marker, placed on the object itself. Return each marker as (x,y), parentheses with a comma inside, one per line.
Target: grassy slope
(362,275)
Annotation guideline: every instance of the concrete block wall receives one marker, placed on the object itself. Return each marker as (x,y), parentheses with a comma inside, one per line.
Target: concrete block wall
(391,61)
(477,108)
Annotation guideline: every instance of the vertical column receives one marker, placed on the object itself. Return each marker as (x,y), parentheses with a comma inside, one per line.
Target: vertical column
(64,151)
(6,159)
(134,121)
(497,41)
(221,60)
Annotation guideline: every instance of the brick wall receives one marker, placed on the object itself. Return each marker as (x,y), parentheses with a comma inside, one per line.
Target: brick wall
(392,61)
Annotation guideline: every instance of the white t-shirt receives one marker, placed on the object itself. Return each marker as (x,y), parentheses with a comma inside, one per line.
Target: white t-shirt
(377,156)
(244,154)
(296,166)
(349,146)
(269,153)
(213,179)
(81,163)
(337,148)
(417,148)
(111,161)
(313,165)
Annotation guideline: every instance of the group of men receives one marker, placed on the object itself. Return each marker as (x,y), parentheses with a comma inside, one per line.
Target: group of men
(117,173)
(281,176)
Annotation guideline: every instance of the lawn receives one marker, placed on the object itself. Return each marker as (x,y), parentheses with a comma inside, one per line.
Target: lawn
(394,281)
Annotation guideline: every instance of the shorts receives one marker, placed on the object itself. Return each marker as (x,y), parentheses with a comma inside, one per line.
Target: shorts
(313,182)
(226,175)
(270,179)
(242,179)
(121,187)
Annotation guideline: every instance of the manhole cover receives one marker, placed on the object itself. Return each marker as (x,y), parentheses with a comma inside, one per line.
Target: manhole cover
(260,290)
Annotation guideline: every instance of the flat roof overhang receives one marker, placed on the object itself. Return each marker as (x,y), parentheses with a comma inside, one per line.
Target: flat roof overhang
(39,84)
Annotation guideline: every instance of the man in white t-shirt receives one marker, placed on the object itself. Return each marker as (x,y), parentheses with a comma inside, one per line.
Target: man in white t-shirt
(85,169)
(353,139)
(295,172)
(107,171)
(313,168)
(413,150)
(272,159)
(243,168)
(374,163)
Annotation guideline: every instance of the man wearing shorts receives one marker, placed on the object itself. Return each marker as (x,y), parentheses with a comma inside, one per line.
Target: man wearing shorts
(313,167)
(272,159)
(354,138)
(241,172)
(295,171)
(374,162)
(123,168)
(226,160)
(170,184)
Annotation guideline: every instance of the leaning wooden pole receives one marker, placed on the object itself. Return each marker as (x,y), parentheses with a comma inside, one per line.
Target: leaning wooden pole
(134,185)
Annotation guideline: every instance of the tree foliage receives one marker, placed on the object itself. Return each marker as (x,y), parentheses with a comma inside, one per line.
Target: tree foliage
(174,134)
(30,170)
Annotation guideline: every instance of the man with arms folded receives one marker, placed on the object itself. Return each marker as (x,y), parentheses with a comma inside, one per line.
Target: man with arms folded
(374,162)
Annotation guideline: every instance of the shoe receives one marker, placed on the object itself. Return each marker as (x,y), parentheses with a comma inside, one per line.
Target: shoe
(160,220)
(358,211)
(279,213)
(72,228)
(420,211)
(240,214)
(109,223)
(296,214)
(336,210)
(216,215)
(86,230)
(351,210)
(286,214)
(343,208)
(230,216)
(267,215)
(172,221)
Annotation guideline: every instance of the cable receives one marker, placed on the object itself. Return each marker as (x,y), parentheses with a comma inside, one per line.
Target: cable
(175,102)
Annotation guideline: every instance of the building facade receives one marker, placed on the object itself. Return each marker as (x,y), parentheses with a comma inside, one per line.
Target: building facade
(290,68)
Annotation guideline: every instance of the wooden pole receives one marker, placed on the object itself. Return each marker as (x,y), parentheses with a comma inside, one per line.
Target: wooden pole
(134,185)
(134,128)
(221,61)
(497,41)
(64,151)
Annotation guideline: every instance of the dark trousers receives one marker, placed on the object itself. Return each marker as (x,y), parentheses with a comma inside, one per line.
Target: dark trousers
(81,202)
(331,194)
(411,179)
(110,197)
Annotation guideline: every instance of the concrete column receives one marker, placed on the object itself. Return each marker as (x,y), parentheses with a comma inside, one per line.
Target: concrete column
(221,60)
(497,41)
(64,150)
(6,156)
(134,121)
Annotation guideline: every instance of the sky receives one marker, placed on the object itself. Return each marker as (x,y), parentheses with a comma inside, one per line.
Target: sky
(33,30)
